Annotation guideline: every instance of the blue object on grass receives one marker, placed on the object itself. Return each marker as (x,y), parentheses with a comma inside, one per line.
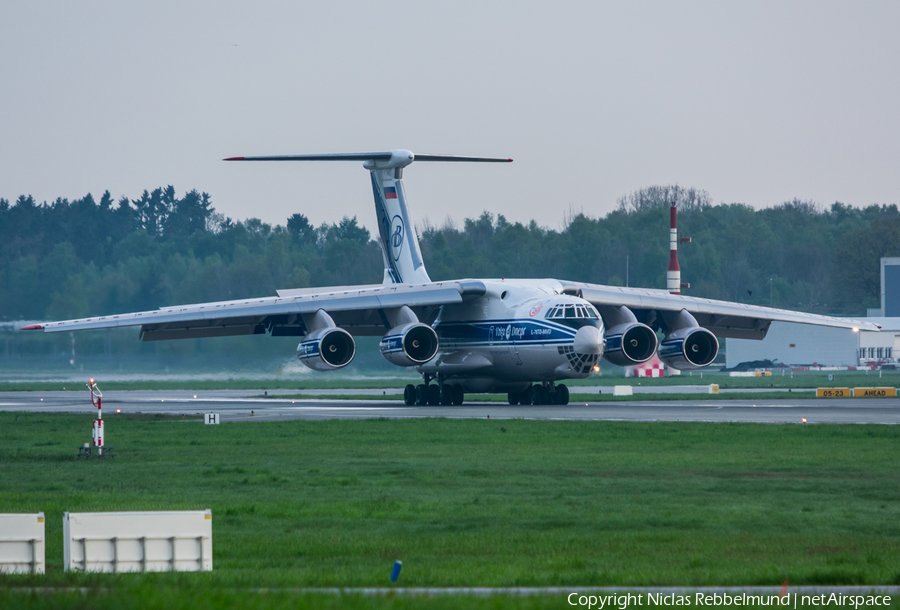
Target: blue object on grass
(395,574)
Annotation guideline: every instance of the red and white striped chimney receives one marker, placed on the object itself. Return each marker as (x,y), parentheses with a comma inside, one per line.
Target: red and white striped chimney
(673,275)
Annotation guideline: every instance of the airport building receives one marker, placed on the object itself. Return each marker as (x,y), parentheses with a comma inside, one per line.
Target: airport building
(802,344)
(890,288)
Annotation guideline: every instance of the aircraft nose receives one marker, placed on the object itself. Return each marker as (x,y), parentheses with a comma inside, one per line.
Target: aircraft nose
(588,340)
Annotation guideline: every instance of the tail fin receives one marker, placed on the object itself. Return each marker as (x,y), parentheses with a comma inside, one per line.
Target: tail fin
(399,245)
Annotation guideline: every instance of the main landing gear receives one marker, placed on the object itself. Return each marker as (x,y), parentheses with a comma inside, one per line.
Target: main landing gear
(442,393)
(546,394)
(433,394)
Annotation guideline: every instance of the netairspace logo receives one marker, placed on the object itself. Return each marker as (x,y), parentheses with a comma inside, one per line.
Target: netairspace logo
(622,601)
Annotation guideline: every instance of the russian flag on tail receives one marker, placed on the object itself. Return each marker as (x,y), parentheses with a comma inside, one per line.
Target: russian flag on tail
(390,192)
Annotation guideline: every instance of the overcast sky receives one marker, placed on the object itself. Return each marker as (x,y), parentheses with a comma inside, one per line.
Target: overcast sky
(756,102)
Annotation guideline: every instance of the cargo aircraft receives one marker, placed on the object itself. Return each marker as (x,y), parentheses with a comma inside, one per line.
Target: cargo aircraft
(523,337)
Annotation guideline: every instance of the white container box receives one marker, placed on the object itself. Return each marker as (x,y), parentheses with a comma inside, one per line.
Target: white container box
(158,541)
(22,543)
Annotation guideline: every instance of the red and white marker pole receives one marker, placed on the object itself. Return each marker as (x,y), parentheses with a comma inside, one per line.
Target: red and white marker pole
(97,401)
(673,275)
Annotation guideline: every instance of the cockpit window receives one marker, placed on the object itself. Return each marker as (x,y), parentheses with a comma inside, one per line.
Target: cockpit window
(578,312)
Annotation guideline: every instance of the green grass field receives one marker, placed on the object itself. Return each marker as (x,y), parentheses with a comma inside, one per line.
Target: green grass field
(185,593)
(467,503)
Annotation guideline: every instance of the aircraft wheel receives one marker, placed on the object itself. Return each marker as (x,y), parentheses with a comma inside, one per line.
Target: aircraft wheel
(434,395)
(458,395)
(421,395)
(446,395)
(541,395)
(527,397)
(513,398)
(409,395)
(562,394)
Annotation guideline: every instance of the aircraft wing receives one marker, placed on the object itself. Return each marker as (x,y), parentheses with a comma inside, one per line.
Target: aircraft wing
(725,319)
(359,309)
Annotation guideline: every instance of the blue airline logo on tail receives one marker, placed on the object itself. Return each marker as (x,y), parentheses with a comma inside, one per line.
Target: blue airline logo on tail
(396,236)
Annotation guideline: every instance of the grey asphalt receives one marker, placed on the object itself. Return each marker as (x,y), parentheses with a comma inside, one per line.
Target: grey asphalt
(247,405)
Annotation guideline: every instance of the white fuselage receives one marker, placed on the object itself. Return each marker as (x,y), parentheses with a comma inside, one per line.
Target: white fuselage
(504,340)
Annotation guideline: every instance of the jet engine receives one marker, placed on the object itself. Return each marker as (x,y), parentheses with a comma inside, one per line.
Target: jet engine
(629,344)
(409,344)
(689,348)
(327,349)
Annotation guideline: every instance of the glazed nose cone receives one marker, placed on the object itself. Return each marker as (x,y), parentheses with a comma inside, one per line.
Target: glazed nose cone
(588,340)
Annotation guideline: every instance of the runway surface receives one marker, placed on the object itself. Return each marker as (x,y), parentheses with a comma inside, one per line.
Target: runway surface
(248,405)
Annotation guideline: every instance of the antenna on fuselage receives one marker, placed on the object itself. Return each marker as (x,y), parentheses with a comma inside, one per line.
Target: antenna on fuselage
(402,256)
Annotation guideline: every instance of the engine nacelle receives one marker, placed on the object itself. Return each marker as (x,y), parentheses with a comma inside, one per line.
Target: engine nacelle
(689,348)
(410,344)
(630,344)
(327,349)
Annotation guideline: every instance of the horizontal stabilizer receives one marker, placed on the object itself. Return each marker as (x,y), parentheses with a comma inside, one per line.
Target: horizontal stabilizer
(422,157)
(375,156)
(391,158)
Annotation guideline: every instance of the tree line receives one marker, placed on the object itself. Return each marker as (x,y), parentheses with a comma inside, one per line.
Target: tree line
(84,257)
